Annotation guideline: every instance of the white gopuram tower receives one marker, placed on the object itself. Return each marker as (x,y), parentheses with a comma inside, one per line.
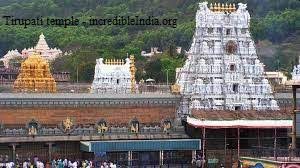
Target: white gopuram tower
(222,71)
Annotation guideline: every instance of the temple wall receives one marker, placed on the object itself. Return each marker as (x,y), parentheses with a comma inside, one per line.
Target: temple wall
(86,115)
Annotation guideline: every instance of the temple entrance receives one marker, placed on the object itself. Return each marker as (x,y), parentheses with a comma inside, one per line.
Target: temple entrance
(237,108)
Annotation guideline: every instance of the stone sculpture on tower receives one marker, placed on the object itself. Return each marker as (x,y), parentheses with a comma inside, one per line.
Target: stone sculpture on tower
(222,71)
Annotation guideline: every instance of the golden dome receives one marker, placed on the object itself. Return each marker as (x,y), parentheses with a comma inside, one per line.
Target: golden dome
(35,76)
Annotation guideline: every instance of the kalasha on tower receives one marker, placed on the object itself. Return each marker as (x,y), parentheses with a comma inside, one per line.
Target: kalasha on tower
(222,71)
(35,76)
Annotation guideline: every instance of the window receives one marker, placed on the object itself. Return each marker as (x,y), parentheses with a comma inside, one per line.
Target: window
(235,88)
(243,30)
(118,81)
(220,30)
(232,67)
(228,32)
(210,30)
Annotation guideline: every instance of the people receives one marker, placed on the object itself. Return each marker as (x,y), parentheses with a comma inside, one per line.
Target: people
(57,163)
(194,162)
(26,164)
(199,162)
(60,164)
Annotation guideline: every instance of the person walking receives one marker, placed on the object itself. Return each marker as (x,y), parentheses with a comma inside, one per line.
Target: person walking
(60,164)
(199,163)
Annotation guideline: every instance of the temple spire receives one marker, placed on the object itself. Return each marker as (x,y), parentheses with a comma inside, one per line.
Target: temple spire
(221,74)
(42,44)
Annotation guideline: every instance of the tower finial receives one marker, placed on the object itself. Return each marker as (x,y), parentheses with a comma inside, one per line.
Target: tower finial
(211,7)
(219,7)
(222,8)
(215,7)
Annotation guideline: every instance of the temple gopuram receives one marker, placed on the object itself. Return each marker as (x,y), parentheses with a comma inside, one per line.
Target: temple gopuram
(222,71)
(35,76)
(114,76)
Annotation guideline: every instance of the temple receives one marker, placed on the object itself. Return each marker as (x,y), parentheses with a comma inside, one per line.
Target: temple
(35,76)
(222,71)
(11,54)
(43,49)
(114,76)
(296,72)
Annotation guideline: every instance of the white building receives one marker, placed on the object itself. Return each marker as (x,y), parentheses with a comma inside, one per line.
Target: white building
(222,71)
(178,50)
(43,49)
(11,54)
(154,50)
(114,76)
(276,78)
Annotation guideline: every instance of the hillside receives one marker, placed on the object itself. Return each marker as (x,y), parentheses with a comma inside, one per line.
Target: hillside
(274,25)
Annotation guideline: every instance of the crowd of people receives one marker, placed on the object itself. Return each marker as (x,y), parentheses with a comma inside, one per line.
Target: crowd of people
(7,165)
(58,163)
(81,164)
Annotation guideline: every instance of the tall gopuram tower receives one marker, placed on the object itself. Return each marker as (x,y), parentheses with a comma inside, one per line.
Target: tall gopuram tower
(222,71)
(35,76)
(114,76)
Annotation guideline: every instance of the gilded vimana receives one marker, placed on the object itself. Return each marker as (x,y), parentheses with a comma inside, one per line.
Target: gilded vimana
(35,76)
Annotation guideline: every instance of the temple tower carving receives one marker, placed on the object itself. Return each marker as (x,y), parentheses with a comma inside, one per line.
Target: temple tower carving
(222,70)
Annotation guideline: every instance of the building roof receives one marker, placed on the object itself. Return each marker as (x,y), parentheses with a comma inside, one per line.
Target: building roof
(240,123)
(140,145)
(241,119)
(246,115)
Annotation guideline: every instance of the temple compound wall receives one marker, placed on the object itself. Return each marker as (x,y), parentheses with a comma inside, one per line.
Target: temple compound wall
(88,115)
(86,108)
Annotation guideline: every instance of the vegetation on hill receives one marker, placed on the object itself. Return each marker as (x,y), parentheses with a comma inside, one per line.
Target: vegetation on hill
(274,25)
